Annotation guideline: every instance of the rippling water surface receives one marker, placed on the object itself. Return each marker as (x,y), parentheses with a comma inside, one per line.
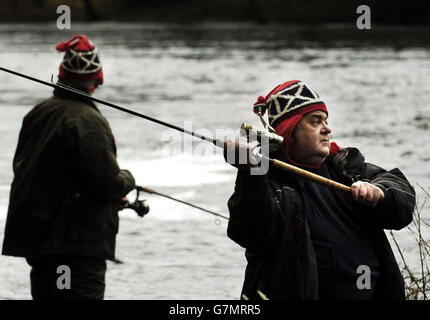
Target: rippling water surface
(206,77)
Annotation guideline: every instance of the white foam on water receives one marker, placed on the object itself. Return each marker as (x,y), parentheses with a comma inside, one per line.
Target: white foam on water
(179,171)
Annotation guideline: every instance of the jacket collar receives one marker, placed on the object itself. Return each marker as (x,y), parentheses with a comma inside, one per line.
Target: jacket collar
(349,164)
(69,95)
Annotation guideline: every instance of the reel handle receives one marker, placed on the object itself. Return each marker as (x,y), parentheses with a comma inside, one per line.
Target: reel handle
(140,206)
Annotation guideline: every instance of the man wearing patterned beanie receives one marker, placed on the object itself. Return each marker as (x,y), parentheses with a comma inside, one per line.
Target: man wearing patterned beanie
(304,240)
(67,187)
(81,63)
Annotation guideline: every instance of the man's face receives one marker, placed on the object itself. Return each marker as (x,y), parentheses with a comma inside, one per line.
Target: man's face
(310,143)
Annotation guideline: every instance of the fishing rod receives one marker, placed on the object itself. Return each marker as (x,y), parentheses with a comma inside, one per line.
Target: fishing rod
(142,208)
(219,143)
(109,104)
(151,191)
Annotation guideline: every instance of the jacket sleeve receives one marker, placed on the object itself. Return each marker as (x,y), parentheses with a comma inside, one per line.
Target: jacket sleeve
(396,210)
(96,158)
(254,212)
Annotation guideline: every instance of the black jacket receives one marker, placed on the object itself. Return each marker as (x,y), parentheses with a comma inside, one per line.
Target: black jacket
(267,218)
(67,183)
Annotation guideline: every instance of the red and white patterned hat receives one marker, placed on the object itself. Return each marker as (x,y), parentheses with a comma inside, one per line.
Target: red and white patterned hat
(287,103)
(81,60)
(288,99)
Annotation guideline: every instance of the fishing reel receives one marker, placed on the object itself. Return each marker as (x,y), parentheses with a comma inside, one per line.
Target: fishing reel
(259,139)
(265,135)
(256,133)
(140,206)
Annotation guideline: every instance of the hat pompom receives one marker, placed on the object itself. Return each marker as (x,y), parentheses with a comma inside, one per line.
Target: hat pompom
(79,42)
(260,106)
(62,46)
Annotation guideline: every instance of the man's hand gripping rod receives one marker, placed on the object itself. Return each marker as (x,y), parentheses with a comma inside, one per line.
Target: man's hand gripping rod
(255,151)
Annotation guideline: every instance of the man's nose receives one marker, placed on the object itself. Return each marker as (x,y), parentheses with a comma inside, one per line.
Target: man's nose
(325,129)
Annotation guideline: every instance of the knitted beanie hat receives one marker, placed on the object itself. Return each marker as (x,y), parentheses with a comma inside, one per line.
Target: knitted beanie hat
(81,60)
(287,104)
(287,99)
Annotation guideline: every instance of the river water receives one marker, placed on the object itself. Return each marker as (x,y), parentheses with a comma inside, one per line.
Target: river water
(375,83)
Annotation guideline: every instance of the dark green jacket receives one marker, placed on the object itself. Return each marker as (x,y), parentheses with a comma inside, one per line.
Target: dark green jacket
(67,183)
(267,218)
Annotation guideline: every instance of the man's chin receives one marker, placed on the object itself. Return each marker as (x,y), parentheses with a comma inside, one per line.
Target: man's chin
(325,146)
(325,152)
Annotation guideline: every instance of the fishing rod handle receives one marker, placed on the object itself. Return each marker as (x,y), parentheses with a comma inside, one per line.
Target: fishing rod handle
(311,176)
(255,152)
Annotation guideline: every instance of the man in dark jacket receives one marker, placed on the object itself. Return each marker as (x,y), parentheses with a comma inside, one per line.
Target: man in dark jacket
(67,187)
(307,241)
